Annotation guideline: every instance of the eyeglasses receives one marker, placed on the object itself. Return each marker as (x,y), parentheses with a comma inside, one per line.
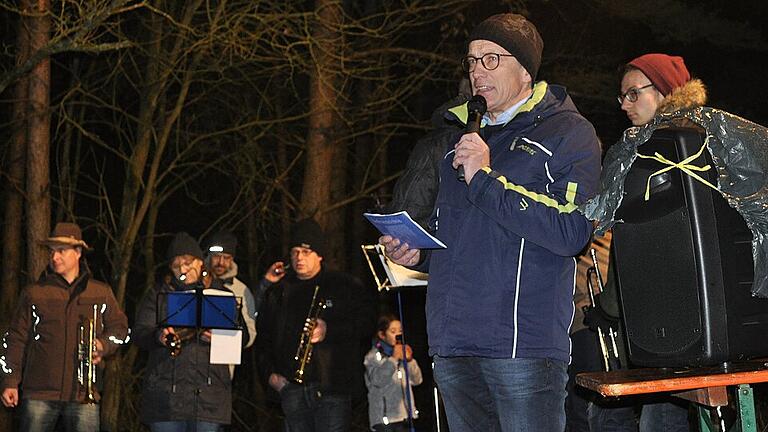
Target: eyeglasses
(489,61)
(632,94)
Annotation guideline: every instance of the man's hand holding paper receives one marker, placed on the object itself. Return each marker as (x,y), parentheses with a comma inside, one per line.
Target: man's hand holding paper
(398,252)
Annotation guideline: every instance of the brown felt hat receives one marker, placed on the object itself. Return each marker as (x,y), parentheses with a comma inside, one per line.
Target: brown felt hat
(66,234)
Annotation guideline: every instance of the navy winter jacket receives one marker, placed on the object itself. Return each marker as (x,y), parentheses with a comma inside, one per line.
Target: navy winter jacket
(504,286)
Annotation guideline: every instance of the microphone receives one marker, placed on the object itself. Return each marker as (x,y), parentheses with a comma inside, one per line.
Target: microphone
(476,108)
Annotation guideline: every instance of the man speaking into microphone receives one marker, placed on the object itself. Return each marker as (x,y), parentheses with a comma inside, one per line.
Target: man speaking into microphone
(499,302)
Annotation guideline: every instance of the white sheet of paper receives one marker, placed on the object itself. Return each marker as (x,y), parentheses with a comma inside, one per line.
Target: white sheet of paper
(398,275)
(226,346)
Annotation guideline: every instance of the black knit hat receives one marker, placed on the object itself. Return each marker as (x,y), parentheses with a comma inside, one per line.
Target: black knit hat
(222,242)
(184,244)
(515,34)
(308,234)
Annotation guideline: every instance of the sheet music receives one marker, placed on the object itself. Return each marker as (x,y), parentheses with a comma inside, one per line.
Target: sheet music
(226,346)
(400,225)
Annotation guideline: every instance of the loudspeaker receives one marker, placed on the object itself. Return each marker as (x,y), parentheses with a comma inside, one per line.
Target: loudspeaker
(683,264)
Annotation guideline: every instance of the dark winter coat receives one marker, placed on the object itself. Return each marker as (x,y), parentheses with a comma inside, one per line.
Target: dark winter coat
(186,387)
(504,285)
(350,315)
(41,347)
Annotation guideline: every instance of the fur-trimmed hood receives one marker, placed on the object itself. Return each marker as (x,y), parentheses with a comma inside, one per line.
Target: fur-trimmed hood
(691,95)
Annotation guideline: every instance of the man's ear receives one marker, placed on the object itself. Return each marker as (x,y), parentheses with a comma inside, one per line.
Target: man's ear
(525,76)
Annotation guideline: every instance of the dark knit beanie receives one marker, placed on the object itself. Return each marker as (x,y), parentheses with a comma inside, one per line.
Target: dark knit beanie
(665,72)
(222,242)
(308,234)
(184,244)
(515,34)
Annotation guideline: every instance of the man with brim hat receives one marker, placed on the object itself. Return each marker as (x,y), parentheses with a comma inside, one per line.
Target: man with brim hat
(321,398)
(51,322)
(499,303)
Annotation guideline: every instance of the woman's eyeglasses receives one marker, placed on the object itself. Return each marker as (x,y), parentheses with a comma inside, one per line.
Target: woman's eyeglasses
(632,94)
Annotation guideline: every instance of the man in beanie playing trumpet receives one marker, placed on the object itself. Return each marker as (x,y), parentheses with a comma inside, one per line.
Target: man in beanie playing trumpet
(499,303)
(319,398)
(44,352)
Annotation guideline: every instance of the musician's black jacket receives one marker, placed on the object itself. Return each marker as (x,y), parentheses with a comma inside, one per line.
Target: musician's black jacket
(350,315)
(186,387)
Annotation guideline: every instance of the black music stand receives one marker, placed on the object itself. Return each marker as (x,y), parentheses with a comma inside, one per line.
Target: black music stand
(388,275)
(201,310)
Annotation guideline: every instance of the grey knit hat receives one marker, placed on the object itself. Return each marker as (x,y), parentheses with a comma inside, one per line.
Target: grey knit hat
(515,34)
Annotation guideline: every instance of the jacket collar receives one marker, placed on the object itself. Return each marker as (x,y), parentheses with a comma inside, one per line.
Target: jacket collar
(691,95)
(461,113)
(50,277)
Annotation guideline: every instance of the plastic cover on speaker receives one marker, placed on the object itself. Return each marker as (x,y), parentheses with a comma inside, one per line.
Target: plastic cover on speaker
(739,150)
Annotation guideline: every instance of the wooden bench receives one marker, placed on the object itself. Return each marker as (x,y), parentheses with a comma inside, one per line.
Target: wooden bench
(706,386)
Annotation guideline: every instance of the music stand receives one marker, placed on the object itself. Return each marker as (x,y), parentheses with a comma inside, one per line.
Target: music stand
(201,308)
(393,275)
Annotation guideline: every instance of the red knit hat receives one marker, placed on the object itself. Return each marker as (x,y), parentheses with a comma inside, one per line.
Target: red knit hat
(665,72)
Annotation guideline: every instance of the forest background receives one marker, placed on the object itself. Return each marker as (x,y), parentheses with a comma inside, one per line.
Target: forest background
(139,119)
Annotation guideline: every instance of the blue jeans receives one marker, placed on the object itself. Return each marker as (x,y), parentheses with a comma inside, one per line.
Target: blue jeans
(608,416)
(487,394)
(184,426)
(307,409)
(41,416)
(658,416)
(669,416)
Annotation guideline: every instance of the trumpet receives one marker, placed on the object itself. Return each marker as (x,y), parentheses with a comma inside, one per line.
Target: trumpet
(304,351)
(606,337)
(174,341)
(86,372)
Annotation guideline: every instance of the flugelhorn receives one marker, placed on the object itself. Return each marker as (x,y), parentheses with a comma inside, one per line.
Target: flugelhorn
(86,371)
(180,337)
(304,351)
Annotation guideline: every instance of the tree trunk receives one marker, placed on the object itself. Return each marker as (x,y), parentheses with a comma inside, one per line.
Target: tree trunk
(14,185)
(316,191)
(14,197)
(38,147)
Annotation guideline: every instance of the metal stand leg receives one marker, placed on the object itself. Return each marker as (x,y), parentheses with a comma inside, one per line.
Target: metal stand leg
(705,420)
(747,421)
(746,408)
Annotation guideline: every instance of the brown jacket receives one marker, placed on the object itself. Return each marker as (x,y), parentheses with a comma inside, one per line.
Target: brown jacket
(40,349)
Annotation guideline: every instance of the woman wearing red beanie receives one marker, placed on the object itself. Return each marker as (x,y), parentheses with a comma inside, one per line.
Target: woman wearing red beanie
(657,83)
(651,84)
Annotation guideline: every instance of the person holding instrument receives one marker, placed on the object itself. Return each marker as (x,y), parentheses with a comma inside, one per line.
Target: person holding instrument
(499,302)
(182,391)
(385,377)
(63,326)
(315,394)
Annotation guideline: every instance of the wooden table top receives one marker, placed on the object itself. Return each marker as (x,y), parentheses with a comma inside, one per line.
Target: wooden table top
(654,380)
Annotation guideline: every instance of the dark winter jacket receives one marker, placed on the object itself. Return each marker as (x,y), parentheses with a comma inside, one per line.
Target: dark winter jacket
(504,286)
(40,350)
(416,189)
(185,387)
(350,315)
